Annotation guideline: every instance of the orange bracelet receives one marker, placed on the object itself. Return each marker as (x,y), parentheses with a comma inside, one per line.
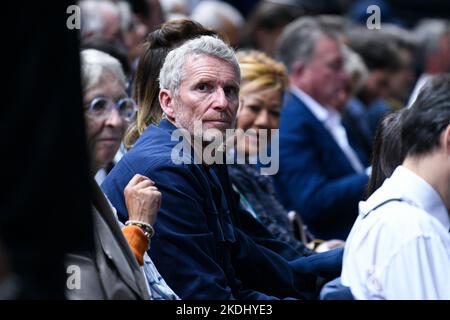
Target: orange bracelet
(137,240)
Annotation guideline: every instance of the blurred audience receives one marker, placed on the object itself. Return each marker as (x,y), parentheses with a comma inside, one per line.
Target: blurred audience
(434,38)
(353,118)
(265,24)
(401,82)
(175,9)
(263,82)
(322,175)
(100,18)
(220,17)
(381,57)
(110,47)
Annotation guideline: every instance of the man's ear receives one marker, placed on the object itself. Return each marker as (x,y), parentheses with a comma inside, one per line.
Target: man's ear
(446,139)
(166,102)
(296,73)
(297,68)
(240,107)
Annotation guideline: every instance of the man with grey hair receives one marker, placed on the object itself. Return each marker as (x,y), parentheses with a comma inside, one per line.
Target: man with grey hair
(198,246)
(321,173)
(173,87)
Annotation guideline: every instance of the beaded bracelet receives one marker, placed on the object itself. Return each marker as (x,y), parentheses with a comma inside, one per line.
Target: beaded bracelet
(147,228)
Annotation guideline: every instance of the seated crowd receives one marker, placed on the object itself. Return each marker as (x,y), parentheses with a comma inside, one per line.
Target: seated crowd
(292,174)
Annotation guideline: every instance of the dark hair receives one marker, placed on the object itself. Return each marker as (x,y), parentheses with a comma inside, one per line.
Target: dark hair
(139,7)
(388,152)
(378,49)
(428,117)
(268,16)
(146,84)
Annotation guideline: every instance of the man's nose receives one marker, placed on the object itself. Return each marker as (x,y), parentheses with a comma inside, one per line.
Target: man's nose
(220,99)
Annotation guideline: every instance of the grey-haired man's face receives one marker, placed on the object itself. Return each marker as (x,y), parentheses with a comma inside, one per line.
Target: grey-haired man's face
(209,93)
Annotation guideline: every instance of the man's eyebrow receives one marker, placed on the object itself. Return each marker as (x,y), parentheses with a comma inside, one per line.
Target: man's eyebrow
(214,80)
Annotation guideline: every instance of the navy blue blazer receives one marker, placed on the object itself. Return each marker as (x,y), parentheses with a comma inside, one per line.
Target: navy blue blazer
(197,247)
(315,178)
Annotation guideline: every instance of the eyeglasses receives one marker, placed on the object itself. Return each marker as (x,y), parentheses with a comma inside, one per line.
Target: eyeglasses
(101,108)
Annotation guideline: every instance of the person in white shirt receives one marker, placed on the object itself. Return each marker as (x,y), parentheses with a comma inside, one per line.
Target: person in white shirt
(399,247)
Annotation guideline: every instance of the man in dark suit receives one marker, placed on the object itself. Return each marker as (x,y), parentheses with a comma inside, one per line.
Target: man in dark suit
(322,176)
(198,247)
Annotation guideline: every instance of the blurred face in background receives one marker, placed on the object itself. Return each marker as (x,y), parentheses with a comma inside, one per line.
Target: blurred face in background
(105,131)
(134,37)
(267,39)
(344,94)
(322,76)
(439,61)
(155,17)
(400,83)
(377,85)
(111,29)
(260,109)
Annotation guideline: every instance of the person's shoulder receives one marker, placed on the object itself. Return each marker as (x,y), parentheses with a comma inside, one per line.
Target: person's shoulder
(154,140)
(154,150)
(404,212)
(406,221)
(296,117)
(292,105)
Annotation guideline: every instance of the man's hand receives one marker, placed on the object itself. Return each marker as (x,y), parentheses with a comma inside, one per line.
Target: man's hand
(142,199)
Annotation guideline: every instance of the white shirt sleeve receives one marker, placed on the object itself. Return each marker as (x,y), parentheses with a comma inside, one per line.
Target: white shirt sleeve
(419,270)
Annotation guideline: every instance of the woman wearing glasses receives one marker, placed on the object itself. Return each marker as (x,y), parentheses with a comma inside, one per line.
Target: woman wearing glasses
(116,274)
(107,108)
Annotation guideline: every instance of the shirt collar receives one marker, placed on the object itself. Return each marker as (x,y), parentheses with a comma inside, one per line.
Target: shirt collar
(166,124)
(316,108)
(410,187)
(323,114)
